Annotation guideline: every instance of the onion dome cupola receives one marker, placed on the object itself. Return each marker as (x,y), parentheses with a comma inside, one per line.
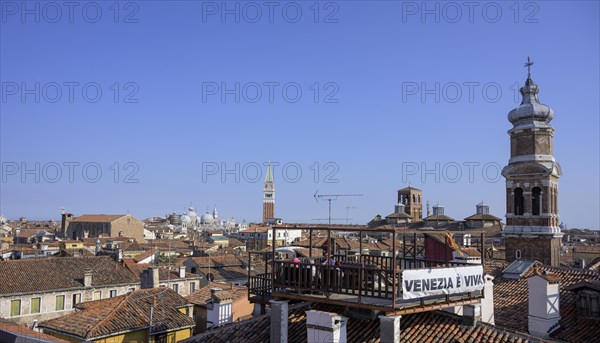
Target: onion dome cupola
(530,111)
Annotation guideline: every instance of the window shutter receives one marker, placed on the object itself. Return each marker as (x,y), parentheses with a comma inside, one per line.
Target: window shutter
(35,305)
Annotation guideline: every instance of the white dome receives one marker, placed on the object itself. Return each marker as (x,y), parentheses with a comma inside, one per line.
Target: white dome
(207,218)
(186,219)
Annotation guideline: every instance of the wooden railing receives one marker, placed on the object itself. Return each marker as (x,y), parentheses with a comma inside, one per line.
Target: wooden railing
(260,285)
(347,278)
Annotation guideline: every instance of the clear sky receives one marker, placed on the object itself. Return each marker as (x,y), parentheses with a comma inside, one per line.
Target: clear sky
(371,94)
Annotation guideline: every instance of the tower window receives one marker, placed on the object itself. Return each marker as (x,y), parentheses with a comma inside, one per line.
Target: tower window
(518,201)
(536,196)
(518,254)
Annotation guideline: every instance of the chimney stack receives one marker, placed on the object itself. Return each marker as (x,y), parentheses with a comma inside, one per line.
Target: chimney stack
(544,304)
(325,327)
(87,278)
(279,321)
(389,329)
(150,278)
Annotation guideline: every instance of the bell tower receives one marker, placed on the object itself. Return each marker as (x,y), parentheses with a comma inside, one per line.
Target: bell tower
(268,196)
(532,225)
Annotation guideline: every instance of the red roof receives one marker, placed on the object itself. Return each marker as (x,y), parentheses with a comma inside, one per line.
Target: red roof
(98,218)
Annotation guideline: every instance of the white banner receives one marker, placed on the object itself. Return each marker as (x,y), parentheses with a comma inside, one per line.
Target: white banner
(417,283)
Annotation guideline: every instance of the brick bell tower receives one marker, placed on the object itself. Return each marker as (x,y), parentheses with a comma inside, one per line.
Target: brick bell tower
(268,196)
(532,225)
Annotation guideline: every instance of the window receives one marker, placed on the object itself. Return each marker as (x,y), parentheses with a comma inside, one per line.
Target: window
(15,308)
(76,299)
(536,197)
(518,254)
(518,201)
(192,287)
(97,295)
(176,288)
(60,303)
(35,305)
(130,290)
(160,338)
(113,293)
(588,303)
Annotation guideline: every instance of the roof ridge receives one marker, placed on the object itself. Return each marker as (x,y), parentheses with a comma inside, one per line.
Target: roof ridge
(125,296)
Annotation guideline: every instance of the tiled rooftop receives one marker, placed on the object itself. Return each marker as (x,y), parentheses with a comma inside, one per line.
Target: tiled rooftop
(128,312)
(423,327)
(203,295)
(98,218)
(46,274)
(11,332)
(511,302)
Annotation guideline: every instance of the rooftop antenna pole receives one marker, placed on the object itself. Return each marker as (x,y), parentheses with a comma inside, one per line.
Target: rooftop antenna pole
(330,197)
(347,209)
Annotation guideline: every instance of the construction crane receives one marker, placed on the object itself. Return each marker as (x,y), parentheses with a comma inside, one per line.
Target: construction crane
(330,197)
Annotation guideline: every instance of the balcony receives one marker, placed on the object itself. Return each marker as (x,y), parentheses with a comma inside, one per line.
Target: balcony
(357,278)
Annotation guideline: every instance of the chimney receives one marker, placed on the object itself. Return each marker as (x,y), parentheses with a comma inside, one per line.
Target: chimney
(87,278)
(324,327)
(150,278)
(279,321)
(389,329)
(66,219)
(487,303)
(544,304)
(181,272)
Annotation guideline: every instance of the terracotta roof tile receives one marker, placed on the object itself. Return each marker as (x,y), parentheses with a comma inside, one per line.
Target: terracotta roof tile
(203,295)
(8,330)
(511,302)
(21,276)
(422,327)
(128,312)
(98,218)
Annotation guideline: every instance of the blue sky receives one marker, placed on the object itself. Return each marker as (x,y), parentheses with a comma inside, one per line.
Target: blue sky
(391,93)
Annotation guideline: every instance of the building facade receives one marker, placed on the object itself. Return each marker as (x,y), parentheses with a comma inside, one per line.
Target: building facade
(105,225)
(532,224)
(40,289)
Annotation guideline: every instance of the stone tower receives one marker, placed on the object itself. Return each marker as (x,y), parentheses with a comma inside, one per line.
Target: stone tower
(411,198)
(532,230)
(268,196)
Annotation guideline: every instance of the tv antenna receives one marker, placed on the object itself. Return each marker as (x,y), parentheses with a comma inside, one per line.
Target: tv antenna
(348,208)
(327,219)
(330,197)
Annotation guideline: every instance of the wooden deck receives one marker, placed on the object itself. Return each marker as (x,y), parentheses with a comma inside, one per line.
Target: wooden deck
(400,307)
(358,280)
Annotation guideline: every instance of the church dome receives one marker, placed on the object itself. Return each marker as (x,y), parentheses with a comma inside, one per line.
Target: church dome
(530,109)
(186,219)
(207,218)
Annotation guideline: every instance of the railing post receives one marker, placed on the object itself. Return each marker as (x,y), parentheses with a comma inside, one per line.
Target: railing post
(273,261)
(482,248)
(393,269)
(249,270)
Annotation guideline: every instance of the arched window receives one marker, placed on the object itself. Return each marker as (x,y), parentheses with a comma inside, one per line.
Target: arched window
(518,254)
(518,201)
(419,198)
(414,199)
(536,197)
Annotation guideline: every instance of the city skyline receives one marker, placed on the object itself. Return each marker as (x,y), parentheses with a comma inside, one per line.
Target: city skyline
(376,117)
